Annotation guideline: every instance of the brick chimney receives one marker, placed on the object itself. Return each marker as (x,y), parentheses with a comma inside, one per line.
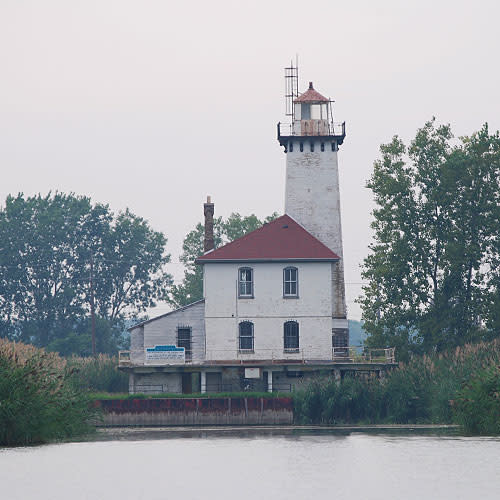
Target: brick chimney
(208,210)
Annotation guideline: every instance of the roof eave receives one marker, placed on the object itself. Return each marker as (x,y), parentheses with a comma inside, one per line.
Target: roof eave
(142,323)
(280,259)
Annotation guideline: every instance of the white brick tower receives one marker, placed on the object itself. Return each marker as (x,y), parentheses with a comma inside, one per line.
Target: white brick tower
(312,195)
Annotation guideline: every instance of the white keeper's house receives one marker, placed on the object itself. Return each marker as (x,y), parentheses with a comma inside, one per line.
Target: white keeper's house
(273,311)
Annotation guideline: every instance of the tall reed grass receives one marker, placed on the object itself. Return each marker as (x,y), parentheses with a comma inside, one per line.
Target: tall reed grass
(38,401)
(477,405)
(99,374)
(423,390)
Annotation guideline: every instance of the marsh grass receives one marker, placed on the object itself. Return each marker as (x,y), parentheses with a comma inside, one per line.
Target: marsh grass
(423,390)
(477,405)
(97,374)
(38,403)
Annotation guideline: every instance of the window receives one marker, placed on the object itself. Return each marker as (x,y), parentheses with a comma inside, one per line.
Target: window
(246,336)
(305,111)
(322,147)
(184,340)
(339,342)
(316,111)
(290,282)
(290,147)
(312,147)
(291,336)
(301,147)
(339,337)
(245,282)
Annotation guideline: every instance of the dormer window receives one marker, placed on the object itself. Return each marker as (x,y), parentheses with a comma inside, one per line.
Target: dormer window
(290,282)
(245,282)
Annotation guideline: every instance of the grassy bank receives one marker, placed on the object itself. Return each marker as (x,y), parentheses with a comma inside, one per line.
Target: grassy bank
(217,395)
(38,400)
(460,386)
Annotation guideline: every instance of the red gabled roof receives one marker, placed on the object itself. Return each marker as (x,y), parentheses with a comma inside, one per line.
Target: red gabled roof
(279,240)
(311,95)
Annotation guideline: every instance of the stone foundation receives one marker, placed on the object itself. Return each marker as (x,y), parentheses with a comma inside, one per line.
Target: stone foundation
(196,411)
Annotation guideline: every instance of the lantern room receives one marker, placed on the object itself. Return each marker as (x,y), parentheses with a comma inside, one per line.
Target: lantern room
(312,113)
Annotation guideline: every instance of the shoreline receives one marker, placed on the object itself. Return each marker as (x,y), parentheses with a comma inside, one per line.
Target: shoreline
(158,432)
(282,427)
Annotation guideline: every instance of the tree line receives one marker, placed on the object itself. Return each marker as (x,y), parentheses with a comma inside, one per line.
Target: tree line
(61,256)
(433,273)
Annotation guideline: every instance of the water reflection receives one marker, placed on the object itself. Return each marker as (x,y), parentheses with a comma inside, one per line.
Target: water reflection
(249,464)
(155,433)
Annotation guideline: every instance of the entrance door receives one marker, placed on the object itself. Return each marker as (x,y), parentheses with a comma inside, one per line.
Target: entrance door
(187,383)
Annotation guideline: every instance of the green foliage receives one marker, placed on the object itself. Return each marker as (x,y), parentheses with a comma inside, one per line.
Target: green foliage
(79,344)
(235,226)
(477,405)
(110,336)
(433,275)
(427,389)
(97,374)
(37,401)
(357,334)
(52,248)
(326,402)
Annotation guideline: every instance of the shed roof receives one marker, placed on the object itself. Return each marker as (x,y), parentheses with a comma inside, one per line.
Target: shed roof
(183,308)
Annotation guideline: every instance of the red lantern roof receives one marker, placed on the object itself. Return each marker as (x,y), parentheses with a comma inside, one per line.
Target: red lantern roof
(283,239)
(311,95)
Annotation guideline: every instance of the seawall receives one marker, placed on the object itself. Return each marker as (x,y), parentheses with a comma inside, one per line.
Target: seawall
(196,411)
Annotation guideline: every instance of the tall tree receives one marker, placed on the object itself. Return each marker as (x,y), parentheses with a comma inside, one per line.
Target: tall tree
(235,226)
(430,271)
(58,251)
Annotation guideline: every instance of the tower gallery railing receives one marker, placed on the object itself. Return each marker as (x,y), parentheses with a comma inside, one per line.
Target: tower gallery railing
(319,128)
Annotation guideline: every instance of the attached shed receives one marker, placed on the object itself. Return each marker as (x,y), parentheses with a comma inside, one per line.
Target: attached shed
(183,327)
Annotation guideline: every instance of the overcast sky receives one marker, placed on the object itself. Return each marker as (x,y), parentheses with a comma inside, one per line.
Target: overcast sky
(152,105)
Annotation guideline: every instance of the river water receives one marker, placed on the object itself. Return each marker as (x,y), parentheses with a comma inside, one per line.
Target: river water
(245,465)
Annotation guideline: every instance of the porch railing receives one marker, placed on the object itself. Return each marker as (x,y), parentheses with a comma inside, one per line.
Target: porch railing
(210,388)
(364,355)
(279,356)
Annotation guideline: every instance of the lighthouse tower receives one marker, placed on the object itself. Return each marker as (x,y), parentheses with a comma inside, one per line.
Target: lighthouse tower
(312,196)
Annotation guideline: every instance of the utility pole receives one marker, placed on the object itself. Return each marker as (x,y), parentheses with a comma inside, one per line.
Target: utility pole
(92,305)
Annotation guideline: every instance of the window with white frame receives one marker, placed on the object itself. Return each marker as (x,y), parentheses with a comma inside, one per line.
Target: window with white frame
(245,282)
(291,336)
(246,336)
(290,282)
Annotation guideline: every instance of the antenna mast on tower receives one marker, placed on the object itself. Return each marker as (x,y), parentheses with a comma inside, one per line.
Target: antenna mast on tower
(291,87)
